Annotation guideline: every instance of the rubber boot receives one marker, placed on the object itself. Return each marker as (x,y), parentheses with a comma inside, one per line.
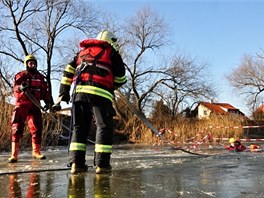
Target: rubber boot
(102,162)
(36,152)
(78,169)
(14,152)
(103,170)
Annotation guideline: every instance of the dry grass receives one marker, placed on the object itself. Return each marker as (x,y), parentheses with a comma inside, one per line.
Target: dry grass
(50,136)
(177,130)
(5,116)
(182,130)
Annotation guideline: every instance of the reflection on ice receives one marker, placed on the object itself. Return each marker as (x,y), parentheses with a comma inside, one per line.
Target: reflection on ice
(138,172)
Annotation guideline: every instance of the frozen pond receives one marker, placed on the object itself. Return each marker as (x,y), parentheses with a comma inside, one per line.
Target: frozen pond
(138,172)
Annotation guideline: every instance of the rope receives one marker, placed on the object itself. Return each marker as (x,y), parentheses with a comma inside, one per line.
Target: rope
(236,127)
(33,171)
(36,170)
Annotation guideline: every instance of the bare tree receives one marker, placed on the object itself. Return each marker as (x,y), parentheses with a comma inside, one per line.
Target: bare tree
(150,76)
(4,84)
(42,28)
(184,81)
(248,80)
(145,32)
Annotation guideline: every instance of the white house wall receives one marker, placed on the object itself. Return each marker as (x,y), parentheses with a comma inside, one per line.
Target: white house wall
(203,112)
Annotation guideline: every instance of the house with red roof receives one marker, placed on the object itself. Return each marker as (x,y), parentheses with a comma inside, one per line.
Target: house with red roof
(205,109)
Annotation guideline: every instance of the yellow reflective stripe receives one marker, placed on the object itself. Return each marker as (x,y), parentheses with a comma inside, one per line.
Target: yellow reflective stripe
(66,81)
(120,79)
(94,90)
(75,146)
(101,148)
(70,69)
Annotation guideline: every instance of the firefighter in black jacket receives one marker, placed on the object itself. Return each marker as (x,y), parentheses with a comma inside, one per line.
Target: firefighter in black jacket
(97,70)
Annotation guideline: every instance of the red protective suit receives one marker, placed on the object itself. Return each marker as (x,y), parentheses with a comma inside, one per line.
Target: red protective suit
(25,110)
(237,146)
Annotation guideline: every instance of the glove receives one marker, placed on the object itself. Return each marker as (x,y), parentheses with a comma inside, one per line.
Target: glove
(48,106)
(24,85)
(65,97)
(56,107)
(115,46)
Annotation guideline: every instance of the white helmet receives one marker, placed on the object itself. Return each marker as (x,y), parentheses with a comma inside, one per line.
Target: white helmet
(109,37)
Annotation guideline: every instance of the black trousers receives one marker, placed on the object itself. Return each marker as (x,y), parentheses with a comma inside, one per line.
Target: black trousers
(82,115)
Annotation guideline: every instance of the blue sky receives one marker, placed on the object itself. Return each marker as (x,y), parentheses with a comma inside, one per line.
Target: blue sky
(220,32)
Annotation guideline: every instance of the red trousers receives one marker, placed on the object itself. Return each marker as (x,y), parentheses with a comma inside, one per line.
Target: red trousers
(31,114)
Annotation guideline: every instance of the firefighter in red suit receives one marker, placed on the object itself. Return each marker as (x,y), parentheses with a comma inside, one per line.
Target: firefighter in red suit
(235,145)
(32,81)
(96,71)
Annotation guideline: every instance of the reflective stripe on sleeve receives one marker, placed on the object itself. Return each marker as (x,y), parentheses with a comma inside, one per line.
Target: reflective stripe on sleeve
(66,81)
(120,79)
(70,69)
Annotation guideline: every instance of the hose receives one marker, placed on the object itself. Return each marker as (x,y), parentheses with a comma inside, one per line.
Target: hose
(37,170)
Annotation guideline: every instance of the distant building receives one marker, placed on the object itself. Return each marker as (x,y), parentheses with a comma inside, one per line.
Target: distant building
(205,109)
